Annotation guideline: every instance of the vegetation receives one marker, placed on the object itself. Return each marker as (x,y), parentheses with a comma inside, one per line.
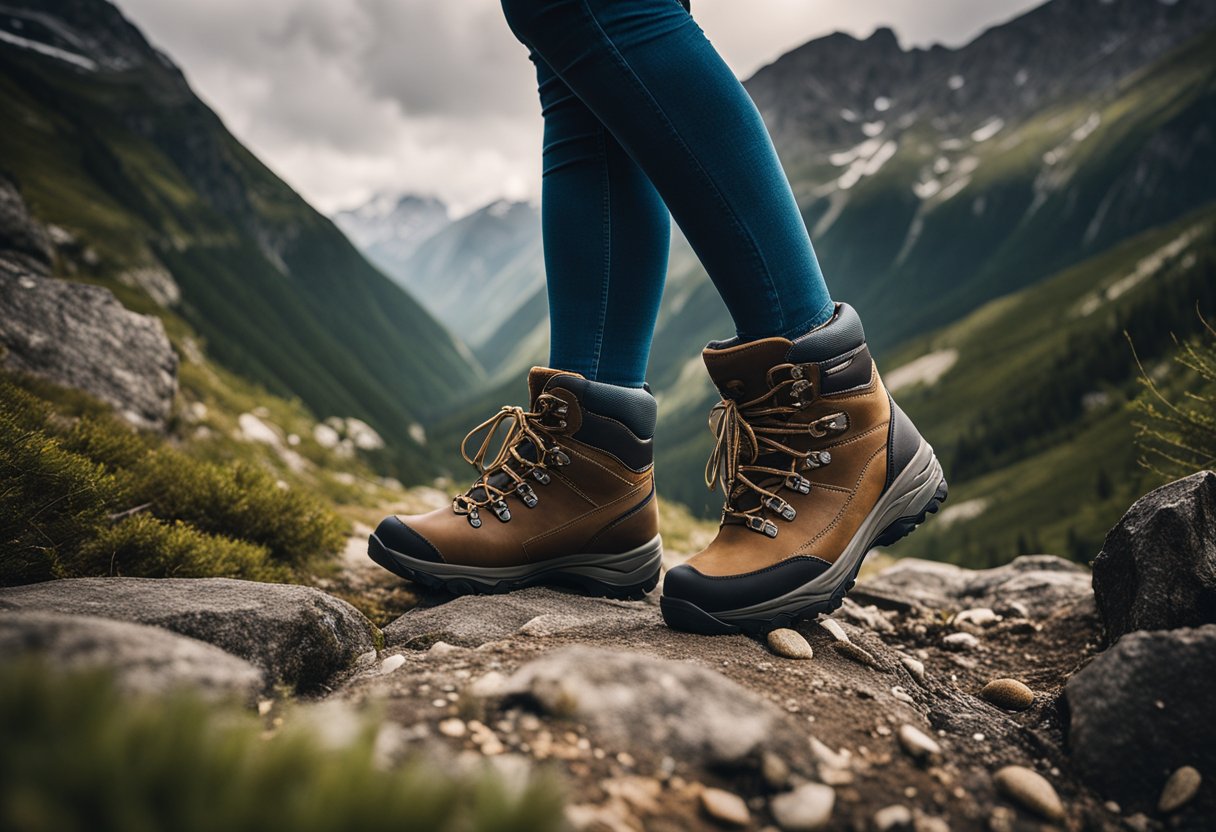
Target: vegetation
(85,495)
(1177,429)
(78,754)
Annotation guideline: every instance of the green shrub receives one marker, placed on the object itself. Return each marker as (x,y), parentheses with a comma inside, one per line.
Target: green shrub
(82,494)
(1177,429)
(79,755)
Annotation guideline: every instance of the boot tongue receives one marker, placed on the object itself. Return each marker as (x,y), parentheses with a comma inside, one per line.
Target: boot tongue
(540,377)
(741,372)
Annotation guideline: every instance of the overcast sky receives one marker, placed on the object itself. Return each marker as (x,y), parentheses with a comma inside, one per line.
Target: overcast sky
(347,98)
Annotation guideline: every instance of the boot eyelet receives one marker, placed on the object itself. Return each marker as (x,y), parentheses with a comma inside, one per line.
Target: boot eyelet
(474,519)
(540,476)
(526,494)
(500,509)
(783,508)
(559,457)
(765,527)
(798,483)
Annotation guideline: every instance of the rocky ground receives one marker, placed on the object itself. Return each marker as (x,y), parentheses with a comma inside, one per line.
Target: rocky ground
(936,698)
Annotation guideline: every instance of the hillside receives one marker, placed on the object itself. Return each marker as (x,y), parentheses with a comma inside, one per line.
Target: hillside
(145,192)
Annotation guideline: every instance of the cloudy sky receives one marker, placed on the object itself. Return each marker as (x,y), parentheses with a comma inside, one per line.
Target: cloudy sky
(347,98)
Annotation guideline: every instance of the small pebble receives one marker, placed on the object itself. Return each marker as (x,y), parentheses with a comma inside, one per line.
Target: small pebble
(452,727)
(805,809)
(960,641)
(902,695)
(917,743)
(978,616)
(1009,694)
(833,627)
(775,771)
(1030,790)
(915,667)
(725,807)
(857,654)
(1179,789)
(892,818)
(1112,807)
(391,663)
(789,643)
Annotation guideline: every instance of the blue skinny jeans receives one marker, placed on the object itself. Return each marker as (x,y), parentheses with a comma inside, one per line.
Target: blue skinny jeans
(642,117)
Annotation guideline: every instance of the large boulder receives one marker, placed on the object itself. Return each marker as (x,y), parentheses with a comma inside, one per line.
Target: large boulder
(470,621)
(1039,583)
(628,700)
(1142,709)
(1157,568)
(143,659)
(300,636)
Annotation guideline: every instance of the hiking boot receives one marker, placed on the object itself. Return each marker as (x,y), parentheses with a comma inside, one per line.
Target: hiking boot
(818,465)
(567,498)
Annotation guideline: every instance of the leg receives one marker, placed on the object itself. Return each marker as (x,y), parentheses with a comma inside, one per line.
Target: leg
(647,72)
(606,238)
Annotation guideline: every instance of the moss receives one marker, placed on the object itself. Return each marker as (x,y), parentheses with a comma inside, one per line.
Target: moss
(85,495)
(79,754)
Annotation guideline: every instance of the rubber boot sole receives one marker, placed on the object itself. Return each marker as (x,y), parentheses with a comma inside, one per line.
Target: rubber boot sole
(628,575)
(916,493)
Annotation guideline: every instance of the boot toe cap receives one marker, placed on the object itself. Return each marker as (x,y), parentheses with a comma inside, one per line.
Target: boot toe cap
(395,534)
(718,593)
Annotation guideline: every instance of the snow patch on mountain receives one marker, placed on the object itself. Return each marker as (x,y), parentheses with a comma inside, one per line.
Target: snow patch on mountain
(48,50)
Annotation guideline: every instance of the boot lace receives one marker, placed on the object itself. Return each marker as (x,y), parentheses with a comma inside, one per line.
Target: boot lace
(507,472)
(752,454)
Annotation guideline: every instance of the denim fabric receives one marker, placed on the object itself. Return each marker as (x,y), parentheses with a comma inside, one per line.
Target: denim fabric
(643,116)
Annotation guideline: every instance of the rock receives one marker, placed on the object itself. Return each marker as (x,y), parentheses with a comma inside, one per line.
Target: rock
(977,616)
(452,727)
(631,700)
(25,246)
(1182,786)
(1157,568)
(1009,694)
(471,621)
(916,668)
(1041,583)
(774,770)
(917,743)
(857,654)
(1142,709)
(960,642)
(1029,790)
(725,807)
(300,636)
(80,336)
(143,659)
(833,627)
(806,808)
(789,643)
(891,818)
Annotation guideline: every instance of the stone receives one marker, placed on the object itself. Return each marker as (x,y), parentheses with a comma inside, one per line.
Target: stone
(630,700)
(298,635)
(1179,790)
(79,335)
(916,667)
(1157,567)
(1141,710)
(774,770)
(857,654)
(471,621)
(789,643)
(806,808)
(725,807)
(1030,790)
(960,642)
(1041,583)
(892,818)
(452,727)
(977,616)
(1009,694)
(143,659)
(833,627)
(917,743)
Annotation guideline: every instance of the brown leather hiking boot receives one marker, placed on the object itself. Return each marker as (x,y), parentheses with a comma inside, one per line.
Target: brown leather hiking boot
(568,498)
(818,464)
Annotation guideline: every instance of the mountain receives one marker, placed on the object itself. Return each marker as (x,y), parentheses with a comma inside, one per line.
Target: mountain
(388,229)
(151,196)
(942,183)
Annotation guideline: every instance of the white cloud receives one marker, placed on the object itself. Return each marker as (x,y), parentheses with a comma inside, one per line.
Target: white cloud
(344,98)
